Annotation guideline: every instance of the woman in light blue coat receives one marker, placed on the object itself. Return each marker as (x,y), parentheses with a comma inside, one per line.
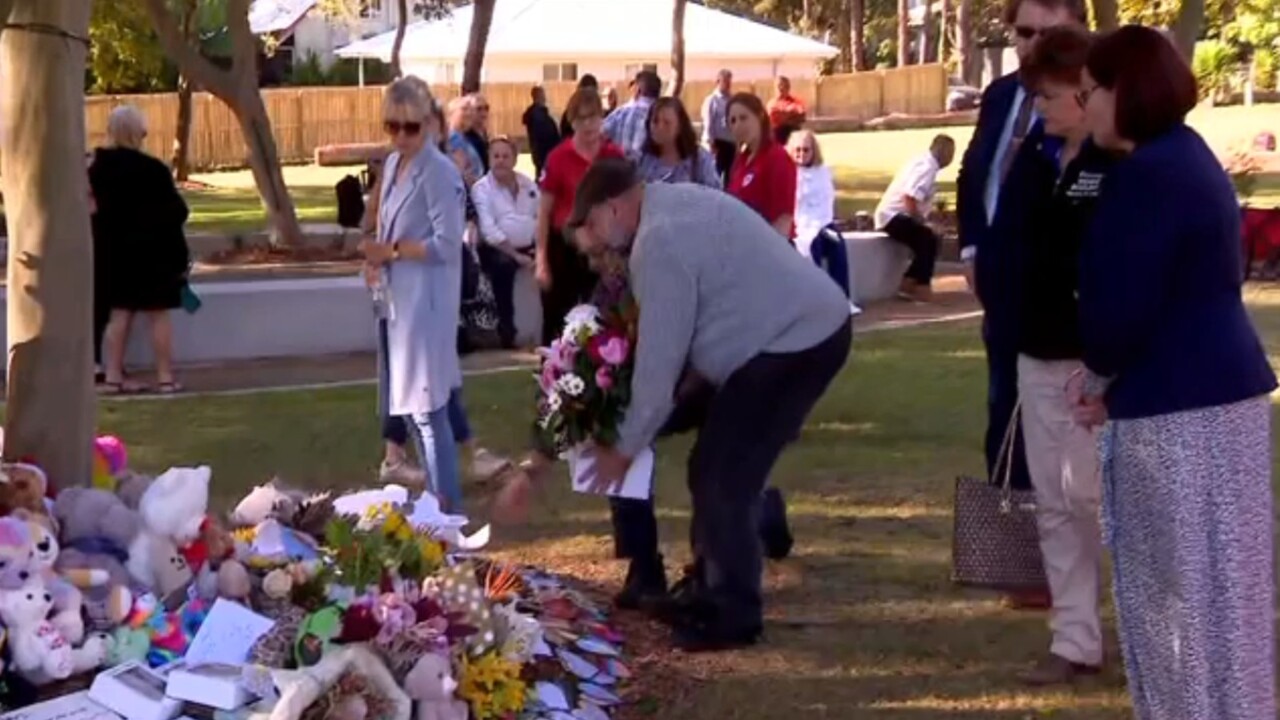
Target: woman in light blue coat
(415,266)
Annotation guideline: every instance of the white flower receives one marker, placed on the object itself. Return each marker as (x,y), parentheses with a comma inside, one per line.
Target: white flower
(554,402)
(582,317)
(571,385)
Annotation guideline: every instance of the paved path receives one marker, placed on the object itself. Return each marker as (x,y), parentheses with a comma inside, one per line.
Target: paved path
(952,302)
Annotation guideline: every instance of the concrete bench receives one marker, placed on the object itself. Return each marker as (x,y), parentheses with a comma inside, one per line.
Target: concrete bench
(876,265)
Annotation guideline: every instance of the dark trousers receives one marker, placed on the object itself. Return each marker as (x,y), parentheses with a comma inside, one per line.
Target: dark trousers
(501,269)
(572,282)
(754,415)
(725,152)
(1002,398)
(923,242)
(635,526)
(829,252)
(101,318)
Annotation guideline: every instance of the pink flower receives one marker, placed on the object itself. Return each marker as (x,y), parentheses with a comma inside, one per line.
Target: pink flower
(547,378)
(615,350)
(604,379)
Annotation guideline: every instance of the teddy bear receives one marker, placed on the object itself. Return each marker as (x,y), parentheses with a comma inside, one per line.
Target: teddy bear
(27,546)
(40,652)
(22,485)
(173,510)
(431,684)
(97,530)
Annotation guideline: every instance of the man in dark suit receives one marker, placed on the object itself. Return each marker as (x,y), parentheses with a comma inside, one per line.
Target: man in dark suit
(1005,116)
(540,128)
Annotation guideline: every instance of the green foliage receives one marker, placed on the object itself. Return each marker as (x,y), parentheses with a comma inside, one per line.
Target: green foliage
(309,72)
(1215,64)
(124,53)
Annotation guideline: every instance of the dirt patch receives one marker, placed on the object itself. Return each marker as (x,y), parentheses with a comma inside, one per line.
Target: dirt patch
(280,256)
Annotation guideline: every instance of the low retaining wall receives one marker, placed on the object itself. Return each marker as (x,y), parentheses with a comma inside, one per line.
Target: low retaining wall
(251,319)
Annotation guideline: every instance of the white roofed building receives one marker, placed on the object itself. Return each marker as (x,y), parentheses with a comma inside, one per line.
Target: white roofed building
(534,41)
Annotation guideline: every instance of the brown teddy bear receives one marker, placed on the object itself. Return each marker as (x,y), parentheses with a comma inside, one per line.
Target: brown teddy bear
(22,487)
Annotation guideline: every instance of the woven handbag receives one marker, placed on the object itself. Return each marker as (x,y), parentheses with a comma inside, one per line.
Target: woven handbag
(995,543)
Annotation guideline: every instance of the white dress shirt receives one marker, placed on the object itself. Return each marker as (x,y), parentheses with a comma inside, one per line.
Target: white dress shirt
(918,180)
(994,178)
(504,219)
(815,204)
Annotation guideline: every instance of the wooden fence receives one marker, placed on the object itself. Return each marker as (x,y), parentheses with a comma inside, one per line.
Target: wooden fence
(303,119)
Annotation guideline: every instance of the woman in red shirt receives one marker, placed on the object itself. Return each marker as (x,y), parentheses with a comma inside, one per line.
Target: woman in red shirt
(562,272)
(763,174)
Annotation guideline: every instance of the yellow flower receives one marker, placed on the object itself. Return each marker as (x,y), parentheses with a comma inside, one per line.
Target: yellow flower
(432,552)
(404,533)
(393,524)
(491,685)
(245,535)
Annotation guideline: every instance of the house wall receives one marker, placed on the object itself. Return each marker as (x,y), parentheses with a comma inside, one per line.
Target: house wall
(319,35)
(609,70)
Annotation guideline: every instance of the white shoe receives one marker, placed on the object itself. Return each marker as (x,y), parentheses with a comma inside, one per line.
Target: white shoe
(402,473)
(485,465)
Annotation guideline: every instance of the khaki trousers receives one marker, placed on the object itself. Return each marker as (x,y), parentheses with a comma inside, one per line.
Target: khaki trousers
(1063,460)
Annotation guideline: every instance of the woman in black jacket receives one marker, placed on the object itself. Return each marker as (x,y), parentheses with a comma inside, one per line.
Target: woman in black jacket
(141,251)
(1051,192)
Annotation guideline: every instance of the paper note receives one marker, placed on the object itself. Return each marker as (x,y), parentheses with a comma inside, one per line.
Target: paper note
(467,543)
(637,485)
(227,635)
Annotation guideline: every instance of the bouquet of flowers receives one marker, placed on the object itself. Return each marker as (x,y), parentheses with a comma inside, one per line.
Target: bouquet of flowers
(584,384)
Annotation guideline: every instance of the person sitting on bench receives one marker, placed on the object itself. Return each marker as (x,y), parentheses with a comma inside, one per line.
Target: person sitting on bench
(903,214)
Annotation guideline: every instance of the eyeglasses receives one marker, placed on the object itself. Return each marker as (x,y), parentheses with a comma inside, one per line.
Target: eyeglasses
(482,108)
(1026,32)
(394,127)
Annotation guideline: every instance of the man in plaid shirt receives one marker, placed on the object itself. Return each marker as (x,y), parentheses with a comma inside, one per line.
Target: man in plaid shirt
(626,126)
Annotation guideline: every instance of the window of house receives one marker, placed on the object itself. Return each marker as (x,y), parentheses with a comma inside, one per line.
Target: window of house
(370,8)
(632,68)
(552,72)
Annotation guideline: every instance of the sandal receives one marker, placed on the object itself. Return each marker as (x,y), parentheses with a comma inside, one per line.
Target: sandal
(173,387)
(119,388)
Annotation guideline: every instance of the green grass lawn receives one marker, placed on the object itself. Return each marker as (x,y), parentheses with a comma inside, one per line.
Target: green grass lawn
(863,622)
(864,163)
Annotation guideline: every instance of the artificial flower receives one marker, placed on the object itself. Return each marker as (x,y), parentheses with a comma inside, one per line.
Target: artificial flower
(604,379)
(571,385)
(615,350)
(583,319)
(491,685)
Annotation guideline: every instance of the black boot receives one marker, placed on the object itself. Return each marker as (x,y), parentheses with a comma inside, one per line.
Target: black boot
(646,583)
(775,532)
(687,599)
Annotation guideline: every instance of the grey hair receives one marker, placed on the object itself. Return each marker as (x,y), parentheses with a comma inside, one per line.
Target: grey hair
(126,127)
(409,92)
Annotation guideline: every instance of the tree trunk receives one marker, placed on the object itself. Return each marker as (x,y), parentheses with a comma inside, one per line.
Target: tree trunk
(238,89)
(49,418)
(844,36)
(1106,14)
(1186,29)
(402,24)
(904,34)
(806,14)
(182,135)
(858,29)
(481,19)
(925,41)
(944,32)
(968,55)
(677,47)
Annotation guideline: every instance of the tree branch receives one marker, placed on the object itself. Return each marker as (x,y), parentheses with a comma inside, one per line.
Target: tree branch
(189,60)
(244,44)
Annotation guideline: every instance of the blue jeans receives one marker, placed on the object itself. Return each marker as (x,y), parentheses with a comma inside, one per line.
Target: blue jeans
(439,454)
(828,252)
(396,430)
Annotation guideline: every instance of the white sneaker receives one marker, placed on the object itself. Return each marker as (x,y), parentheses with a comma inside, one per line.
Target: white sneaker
(485,465)
(402,473)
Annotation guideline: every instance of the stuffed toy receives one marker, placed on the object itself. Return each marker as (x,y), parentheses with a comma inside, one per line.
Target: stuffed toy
(22,486)
(16,553)
(431,684)
(109,461)
(131,486)
(97,531)
(173,510)
(67,599)
(171,578)
(40,653)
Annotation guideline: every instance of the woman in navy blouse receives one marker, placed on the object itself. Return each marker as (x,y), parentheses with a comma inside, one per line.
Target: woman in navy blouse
(1175,364)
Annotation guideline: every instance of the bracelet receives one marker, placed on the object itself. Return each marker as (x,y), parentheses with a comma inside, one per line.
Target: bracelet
(395,250)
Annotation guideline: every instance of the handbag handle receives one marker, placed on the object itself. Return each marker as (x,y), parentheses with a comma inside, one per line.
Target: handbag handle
(1004,460)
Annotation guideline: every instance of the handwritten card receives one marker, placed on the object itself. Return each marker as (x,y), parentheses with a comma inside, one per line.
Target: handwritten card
(637,485)
(227,635)
(76,706)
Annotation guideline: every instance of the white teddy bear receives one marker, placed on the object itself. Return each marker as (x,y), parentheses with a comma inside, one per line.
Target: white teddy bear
(39,651)
(172,510)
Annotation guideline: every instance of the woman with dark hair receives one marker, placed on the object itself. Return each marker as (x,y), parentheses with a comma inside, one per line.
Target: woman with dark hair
(763,175)
(1049,198)
(671,151)
(562,272)
(1176,367)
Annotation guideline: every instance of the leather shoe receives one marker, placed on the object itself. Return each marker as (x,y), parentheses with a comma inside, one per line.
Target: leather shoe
(1056,670)
(700,637)
(646,584)
(775,532)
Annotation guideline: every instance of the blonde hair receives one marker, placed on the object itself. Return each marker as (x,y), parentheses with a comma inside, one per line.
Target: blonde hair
(802,135)
(126,127)
(409,92)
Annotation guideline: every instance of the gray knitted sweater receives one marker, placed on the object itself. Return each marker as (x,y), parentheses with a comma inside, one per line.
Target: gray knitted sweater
(716,286)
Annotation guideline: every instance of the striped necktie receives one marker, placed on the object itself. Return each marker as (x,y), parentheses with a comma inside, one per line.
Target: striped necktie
(1021,123)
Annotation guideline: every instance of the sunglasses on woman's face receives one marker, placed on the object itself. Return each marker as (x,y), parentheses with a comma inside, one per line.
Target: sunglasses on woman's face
(394,127)
(1026,32)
